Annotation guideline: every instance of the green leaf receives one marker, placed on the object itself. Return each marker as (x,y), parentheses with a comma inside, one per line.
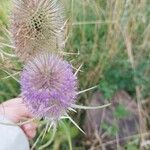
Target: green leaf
(110,129)
(132,147)
(121,112)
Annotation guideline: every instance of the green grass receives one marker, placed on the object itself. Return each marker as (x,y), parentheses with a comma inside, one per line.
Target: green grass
(112,37)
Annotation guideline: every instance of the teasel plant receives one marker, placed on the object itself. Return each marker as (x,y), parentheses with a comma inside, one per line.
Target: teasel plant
(49,88)
(34,26)
(37,25)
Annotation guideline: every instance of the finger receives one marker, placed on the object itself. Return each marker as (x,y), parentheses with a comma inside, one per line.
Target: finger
(31,134)
(29,126)
(24,111)
(30,129)
(21,107)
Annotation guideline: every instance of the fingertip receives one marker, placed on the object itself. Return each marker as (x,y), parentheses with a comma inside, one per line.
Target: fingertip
(31,134)
(29,126)
(30,130)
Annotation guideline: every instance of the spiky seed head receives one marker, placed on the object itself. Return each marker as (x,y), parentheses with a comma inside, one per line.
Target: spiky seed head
(48,85)
(36,25)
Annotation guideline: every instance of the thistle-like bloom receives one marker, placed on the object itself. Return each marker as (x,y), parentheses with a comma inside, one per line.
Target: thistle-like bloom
(36,25)
(49,87)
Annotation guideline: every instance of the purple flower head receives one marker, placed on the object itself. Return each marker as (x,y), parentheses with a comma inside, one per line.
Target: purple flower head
(36,25)
(48,85)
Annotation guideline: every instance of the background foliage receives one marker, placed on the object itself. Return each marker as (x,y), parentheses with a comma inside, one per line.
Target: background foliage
(112,40)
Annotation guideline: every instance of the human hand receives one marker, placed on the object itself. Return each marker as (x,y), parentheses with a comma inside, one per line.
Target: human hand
(16,111)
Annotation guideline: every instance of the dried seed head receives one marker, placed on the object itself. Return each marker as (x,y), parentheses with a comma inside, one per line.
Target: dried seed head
(49,87)
(36,25)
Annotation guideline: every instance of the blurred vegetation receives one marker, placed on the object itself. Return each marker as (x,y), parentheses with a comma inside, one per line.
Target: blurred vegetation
(112,37)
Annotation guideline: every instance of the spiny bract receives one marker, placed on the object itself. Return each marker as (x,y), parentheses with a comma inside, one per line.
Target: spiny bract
(36,25)
(49,87)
